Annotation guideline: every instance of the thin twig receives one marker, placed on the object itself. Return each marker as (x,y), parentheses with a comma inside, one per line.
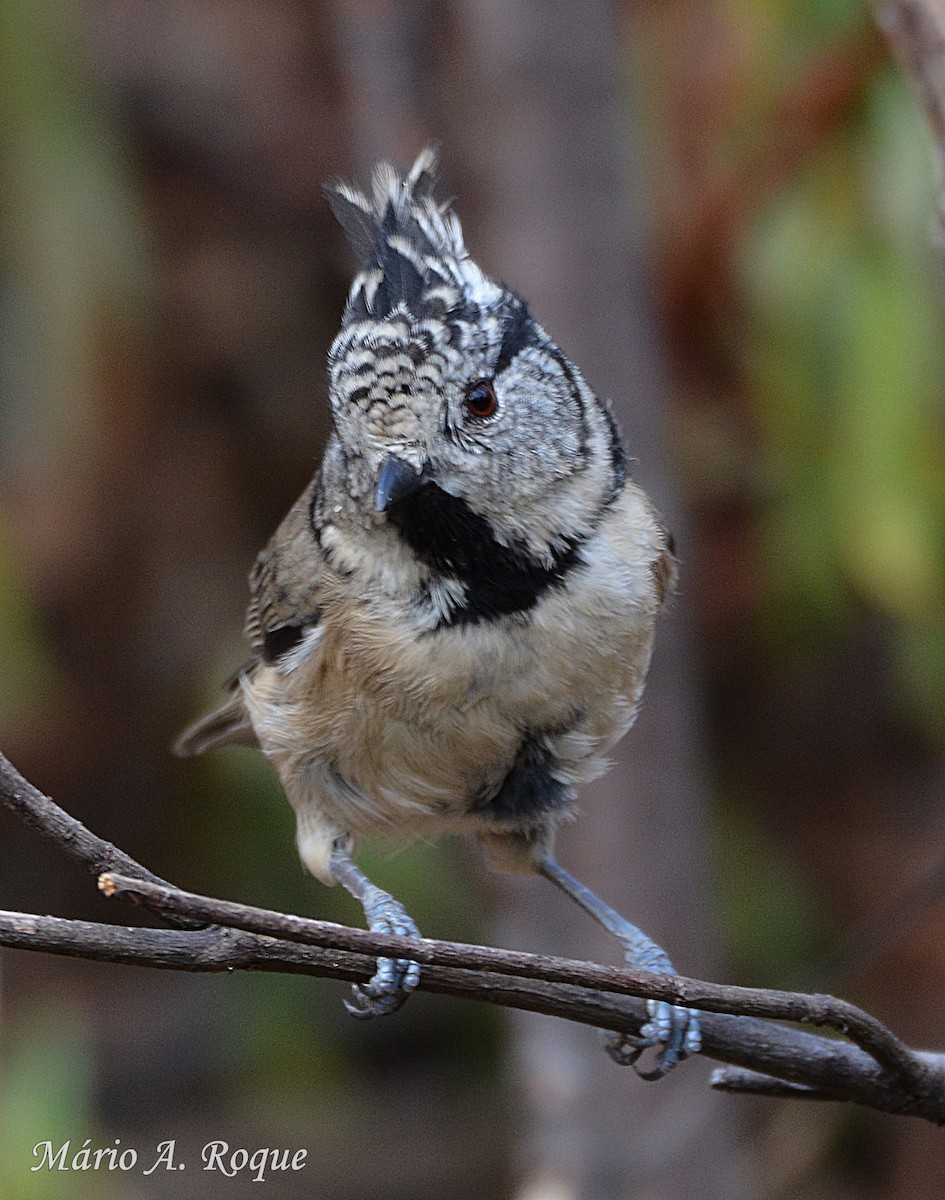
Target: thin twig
(752,1083)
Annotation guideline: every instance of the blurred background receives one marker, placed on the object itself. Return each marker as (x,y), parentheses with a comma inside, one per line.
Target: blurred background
(722,209)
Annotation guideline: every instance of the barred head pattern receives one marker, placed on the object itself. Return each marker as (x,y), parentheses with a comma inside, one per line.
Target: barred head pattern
(424,325)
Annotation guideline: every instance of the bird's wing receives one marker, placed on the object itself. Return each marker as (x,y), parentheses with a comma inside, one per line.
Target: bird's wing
(285,583)
(284,586)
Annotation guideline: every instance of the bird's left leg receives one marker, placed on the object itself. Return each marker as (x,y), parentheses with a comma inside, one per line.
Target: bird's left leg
(674,1029)
(395,978)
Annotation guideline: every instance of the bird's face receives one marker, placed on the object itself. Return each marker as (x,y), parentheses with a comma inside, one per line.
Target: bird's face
(456,414)
(488,412)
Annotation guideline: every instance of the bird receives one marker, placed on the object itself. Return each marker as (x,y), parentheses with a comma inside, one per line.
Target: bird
(453,624)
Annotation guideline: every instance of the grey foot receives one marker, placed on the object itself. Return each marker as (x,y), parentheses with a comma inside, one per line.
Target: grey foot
(395,978)
(671,1027)
(674,1029)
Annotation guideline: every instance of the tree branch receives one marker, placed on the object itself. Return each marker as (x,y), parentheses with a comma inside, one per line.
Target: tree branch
(865,1030)
(216,935)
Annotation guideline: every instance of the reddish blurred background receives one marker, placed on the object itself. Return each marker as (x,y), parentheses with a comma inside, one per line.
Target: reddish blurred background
(723,213)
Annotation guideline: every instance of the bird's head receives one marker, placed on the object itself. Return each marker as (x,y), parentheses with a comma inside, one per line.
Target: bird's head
(460,417)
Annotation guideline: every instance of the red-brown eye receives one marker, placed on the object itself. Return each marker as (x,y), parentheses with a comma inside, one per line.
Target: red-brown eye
(480,399)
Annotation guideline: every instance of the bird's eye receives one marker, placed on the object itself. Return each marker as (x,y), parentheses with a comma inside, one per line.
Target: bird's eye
(481,401)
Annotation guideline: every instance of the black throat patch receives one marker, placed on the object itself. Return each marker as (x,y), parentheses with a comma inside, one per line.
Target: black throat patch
(451,539)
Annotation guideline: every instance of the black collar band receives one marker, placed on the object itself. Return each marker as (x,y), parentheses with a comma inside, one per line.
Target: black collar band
(455,542)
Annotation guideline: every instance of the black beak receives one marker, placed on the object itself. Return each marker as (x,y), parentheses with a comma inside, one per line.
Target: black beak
(397,480)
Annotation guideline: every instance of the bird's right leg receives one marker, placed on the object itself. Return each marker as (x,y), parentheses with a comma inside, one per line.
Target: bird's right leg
(395,978)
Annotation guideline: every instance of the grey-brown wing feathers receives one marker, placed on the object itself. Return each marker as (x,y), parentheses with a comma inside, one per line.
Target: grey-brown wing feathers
(665,568)
(285,581)
(284,584)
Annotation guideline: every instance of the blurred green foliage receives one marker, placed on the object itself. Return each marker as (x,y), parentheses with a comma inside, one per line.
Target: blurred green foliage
(799,144)
(27,663)
(847,355)
(73,250)
(73,257)
(776,924)
(46,1093)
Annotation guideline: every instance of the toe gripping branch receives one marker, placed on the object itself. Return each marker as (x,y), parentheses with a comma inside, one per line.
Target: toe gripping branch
(395,978)
(671,1027)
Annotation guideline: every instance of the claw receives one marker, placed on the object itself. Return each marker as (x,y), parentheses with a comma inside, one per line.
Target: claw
(674,1029)
(395,978)
(364,1006)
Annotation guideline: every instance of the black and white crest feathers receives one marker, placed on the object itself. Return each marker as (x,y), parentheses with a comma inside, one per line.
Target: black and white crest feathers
(409,245)
(367,221)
